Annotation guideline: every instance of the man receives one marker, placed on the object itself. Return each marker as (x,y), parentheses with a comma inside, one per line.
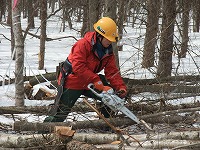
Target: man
(88,57)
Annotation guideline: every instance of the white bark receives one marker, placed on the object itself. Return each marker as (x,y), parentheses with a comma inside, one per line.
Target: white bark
(19,62)
(157,141)
(149,145)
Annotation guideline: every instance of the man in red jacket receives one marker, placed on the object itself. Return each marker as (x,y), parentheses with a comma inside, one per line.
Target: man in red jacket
(88,57)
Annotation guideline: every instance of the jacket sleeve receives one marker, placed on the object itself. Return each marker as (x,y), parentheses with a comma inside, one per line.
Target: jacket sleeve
(79,53)
(112,74)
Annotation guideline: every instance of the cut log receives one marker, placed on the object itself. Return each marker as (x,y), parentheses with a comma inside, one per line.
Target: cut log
(64,131)
(44,93)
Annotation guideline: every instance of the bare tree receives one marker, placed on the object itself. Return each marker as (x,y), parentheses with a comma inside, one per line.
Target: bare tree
(31,23)
(166,41)
(185,27)
(19,62)
(52,5)
(43,4)
(85,26)
(2,9)
(120,21)
(153,7)
(94,6)
(196,15)
(9,22)
(110,11)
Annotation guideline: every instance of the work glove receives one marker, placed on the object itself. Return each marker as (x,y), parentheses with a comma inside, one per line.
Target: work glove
(122,92)
(99,86)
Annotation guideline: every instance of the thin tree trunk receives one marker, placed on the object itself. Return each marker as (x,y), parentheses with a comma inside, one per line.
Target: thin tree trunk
(43,33)
(2,9)
(120,22)
(85,27)
(185,27)
(31,11)
(93,12)
(166,44)
(19,63)
(111,9)
(196,15)
(153,7)
(9,22)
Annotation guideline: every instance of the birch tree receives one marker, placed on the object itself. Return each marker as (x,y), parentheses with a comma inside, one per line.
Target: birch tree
(19,48)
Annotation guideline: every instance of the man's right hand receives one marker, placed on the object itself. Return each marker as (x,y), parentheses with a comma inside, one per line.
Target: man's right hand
(99,85)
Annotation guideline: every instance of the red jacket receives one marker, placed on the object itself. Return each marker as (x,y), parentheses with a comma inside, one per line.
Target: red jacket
(86,65)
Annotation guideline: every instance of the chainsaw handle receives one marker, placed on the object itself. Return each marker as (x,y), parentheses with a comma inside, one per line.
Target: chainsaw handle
(93,91)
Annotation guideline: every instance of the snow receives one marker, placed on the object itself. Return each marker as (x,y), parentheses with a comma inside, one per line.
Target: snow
(58,50)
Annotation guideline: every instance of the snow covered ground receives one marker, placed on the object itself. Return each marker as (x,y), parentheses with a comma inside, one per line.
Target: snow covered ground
(58,50)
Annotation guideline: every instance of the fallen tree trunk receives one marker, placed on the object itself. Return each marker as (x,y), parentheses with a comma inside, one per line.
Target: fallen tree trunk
(82,107)
(40,110)
(189,78)
(99,124)
(164,88)
(152,140)
(77,145)
(149,145)
(23,110)
(42,78)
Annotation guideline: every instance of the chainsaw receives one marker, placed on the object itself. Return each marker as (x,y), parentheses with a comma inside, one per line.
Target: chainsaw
(115,103)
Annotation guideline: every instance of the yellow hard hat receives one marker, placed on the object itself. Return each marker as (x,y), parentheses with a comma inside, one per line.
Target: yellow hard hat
(107,28)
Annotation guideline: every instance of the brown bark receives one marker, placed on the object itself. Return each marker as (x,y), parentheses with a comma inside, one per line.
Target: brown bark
(40,110)
(94,13)
(85,27)
(81,107)
(153,7)
(42,78)
(165,88)
(185,27)
(166,41)
(52,76)
(196,15)
(31,12)
(99,124)
(43,16)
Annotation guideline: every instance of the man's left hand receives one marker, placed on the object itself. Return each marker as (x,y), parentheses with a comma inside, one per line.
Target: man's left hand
(122,93)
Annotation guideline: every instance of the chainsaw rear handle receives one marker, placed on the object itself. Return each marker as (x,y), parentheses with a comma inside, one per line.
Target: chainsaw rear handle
(93,91)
